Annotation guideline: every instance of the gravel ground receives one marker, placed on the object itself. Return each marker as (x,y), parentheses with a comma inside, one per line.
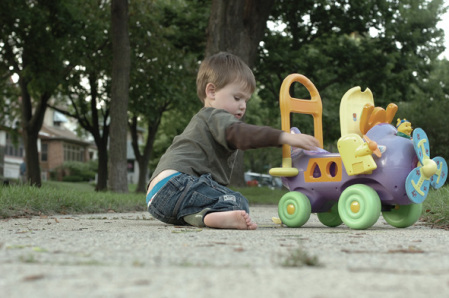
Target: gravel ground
(123,255)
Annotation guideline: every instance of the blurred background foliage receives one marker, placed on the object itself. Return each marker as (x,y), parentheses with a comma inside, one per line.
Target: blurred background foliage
(392,47)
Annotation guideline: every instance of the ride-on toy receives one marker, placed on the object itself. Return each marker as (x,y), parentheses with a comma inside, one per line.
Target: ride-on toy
(379,168)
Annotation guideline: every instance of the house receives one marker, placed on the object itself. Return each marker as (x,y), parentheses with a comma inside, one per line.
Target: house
(56,145)
(11,155)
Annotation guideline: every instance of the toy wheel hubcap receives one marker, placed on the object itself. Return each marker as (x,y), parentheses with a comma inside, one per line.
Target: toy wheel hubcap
(355,206)
(291,209)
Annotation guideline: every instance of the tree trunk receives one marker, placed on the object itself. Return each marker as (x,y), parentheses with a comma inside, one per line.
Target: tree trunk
(237,27)
(33,170)
(121,64)
(102,173)
(143,158)
(142,179)
(31,125)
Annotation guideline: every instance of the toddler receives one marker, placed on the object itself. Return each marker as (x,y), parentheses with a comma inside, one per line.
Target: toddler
(189,183)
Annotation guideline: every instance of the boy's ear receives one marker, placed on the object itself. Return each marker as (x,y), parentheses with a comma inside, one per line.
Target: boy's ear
(210,90)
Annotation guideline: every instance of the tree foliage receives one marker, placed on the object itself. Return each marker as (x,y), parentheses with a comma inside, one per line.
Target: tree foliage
(167,42)
(429,108)
(36,45)
(385,45)
(85,94)
(63,48)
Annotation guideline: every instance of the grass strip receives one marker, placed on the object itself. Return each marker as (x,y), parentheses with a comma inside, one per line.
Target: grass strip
(80,198)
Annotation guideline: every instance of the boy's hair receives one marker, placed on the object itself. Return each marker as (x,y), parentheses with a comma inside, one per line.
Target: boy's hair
(222,69)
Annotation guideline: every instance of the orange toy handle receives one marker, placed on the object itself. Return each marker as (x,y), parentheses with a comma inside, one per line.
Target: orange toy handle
(311,106)
(288,104)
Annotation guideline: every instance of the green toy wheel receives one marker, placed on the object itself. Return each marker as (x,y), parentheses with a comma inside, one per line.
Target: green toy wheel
(403,216)
(294,209)
(330,218)
(359,206)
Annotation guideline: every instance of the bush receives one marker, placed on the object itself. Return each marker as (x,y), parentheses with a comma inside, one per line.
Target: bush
(73,178)
(75,171)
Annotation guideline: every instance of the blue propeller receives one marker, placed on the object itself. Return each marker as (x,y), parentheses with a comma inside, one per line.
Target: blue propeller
(430,172)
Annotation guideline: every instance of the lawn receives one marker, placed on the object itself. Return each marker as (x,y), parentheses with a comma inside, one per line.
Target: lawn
(72,198)
(64,198)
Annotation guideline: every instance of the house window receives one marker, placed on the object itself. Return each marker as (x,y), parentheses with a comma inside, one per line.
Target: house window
(44,152)
(73,153)
(13,148)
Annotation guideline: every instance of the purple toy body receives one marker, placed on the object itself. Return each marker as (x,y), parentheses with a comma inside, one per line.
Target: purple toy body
(388,180)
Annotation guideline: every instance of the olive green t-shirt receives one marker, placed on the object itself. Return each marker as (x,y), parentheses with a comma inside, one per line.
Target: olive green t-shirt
(209,144)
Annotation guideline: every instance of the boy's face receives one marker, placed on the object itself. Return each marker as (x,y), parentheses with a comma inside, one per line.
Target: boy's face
(232,98)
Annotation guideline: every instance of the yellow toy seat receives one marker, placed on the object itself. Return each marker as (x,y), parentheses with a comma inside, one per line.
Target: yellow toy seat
(290,104)
(351,107)
(357,116)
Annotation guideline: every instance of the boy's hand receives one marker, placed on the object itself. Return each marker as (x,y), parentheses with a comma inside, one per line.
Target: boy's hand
(303,141)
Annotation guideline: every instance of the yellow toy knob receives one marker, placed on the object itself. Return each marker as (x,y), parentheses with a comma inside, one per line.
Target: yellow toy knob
(355,206)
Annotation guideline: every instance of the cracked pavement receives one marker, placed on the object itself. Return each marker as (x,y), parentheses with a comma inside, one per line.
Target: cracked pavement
(127,254)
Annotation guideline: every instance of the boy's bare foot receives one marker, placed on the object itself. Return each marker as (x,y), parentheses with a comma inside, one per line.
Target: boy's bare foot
(237,219)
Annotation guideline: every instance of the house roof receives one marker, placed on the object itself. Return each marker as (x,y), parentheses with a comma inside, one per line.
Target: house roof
(58,133)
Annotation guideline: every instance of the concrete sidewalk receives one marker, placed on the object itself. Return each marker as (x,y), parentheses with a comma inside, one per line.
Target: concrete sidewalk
(125,255)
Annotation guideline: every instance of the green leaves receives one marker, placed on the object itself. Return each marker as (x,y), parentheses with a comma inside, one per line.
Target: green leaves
(385,45)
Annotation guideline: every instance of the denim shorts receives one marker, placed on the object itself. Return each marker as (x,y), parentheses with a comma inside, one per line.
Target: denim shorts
(183,195)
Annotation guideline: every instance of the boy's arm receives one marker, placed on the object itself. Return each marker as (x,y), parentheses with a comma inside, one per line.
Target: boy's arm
(303,141)
(246,136)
